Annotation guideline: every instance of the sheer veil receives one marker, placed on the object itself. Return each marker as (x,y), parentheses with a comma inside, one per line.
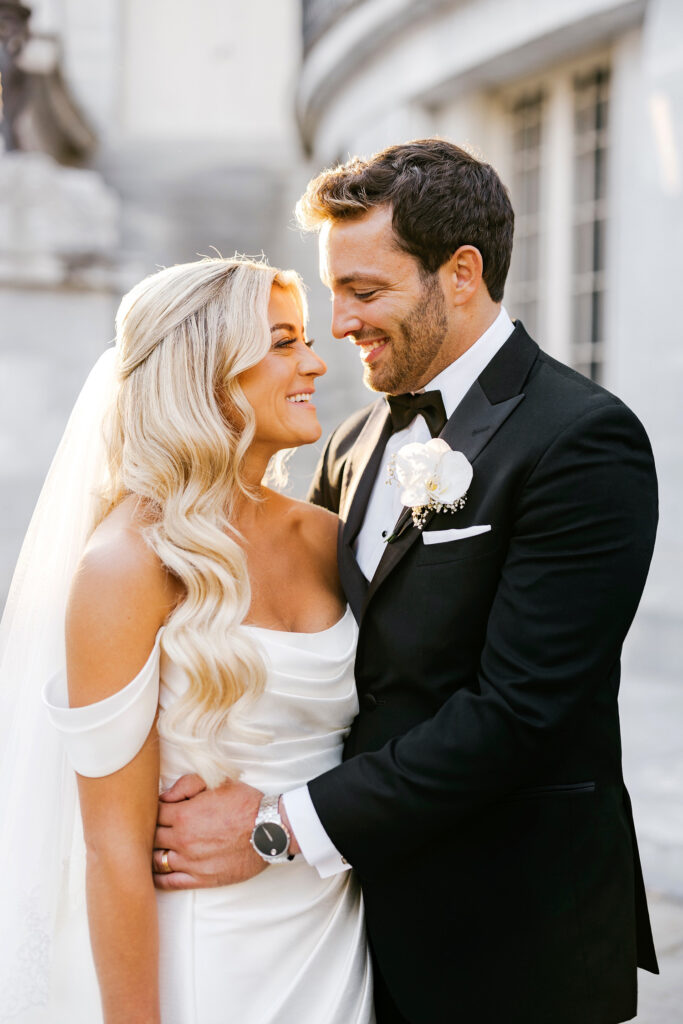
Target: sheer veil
(41,847)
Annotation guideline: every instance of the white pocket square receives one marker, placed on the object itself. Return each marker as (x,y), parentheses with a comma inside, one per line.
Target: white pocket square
(441,536)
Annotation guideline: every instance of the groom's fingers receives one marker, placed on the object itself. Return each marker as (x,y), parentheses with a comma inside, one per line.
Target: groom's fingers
(177,880)
(167,862)
(185,788)
(161,862)
(167,814)
(164,839)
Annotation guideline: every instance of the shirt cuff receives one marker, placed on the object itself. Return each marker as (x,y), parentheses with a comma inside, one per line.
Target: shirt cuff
(317,848)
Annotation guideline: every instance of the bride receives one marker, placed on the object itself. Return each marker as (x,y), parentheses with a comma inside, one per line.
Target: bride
(191,620)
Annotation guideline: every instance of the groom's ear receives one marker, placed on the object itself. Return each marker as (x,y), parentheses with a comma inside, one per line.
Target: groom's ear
(461,275)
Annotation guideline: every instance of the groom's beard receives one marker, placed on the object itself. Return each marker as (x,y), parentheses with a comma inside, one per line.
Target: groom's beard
(415,346)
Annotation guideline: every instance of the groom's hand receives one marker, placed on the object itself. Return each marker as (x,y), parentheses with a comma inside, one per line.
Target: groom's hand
(205,833)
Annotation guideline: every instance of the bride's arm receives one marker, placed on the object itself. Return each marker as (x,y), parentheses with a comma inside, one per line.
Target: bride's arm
(118,602)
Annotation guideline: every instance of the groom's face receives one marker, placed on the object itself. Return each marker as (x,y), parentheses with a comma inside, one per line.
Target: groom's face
(383,303)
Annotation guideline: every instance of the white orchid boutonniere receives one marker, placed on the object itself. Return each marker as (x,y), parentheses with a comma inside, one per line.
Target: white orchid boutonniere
(432,476)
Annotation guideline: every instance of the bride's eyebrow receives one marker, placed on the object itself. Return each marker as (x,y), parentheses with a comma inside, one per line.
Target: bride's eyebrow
(283,327)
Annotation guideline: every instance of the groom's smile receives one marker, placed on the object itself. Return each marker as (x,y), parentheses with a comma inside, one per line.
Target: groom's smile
(370,350)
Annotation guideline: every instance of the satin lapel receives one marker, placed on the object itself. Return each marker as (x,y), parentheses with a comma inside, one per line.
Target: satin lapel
(479,416)
(359,477)
(352,579)
(476,420)
(361,470)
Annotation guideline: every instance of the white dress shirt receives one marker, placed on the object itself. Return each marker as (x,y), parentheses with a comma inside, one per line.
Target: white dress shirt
(384,508)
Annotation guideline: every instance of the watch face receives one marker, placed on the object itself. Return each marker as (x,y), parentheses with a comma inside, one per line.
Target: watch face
(270,839)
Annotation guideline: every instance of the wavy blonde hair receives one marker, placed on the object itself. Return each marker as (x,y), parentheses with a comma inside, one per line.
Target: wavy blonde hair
(177,437)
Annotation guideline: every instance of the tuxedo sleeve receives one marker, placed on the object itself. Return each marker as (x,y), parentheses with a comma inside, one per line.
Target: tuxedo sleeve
(316,847)
(583,527)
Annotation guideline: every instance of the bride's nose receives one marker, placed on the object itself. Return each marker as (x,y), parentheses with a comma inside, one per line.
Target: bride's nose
(311,365)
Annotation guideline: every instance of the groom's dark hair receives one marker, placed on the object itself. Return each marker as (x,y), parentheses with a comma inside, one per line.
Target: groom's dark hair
(442,197)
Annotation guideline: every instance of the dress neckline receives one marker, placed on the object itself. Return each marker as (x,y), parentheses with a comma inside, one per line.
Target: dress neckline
(294,632)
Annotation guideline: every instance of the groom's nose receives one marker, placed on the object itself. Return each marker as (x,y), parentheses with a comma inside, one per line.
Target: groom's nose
(345,319)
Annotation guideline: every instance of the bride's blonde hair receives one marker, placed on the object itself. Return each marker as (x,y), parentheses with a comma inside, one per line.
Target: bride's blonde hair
(178,433)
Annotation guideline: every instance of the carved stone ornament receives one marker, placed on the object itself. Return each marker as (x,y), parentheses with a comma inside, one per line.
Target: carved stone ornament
(39,114)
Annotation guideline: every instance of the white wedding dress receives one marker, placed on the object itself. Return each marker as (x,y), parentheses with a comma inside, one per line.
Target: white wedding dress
(285,946)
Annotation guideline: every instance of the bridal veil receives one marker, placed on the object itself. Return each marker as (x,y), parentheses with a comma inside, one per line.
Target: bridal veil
(41,847)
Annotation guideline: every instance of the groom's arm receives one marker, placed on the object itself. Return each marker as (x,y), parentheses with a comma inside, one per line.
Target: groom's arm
(577,562)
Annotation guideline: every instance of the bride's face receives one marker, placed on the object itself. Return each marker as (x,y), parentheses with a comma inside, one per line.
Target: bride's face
(280,388)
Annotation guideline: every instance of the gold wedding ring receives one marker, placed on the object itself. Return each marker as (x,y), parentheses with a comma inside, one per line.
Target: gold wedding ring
(166,868)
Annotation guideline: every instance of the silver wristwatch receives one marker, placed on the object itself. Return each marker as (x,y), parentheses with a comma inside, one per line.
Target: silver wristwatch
(270,837)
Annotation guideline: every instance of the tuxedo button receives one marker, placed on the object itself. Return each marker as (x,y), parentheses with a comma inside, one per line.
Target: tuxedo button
(369,702)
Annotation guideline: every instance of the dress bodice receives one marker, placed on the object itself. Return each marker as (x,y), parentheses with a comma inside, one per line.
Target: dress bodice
(295,729)
(289,734)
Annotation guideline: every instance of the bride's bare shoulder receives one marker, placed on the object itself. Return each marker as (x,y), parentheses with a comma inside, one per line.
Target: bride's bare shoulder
(120,596)
(117,554)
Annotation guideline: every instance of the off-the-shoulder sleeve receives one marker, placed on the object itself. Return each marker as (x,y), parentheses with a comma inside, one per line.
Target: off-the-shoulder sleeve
(100,738)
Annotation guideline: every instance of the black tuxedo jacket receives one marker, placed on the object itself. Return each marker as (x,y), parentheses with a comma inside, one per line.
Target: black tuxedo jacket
(481,798)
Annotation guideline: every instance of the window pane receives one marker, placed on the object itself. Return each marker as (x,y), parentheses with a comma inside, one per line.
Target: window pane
(584,177)
(600,176)
(583,249)
(527,312)
(591,109)
(599,233)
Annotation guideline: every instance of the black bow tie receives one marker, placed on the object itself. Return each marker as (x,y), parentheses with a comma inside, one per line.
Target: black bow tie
(404,409)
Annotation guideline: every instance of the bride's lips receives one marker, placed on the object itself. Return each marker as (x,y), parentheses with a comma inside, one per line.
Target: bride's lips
(371,350)
(302,398)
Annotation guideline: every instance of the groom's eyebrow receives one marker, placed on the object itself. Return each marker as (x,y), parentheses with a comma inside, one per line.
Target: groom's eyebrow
(359,276)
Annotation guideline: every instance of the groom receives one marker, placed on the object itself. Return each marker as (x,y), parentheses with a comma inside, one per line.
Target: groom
(481,798)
